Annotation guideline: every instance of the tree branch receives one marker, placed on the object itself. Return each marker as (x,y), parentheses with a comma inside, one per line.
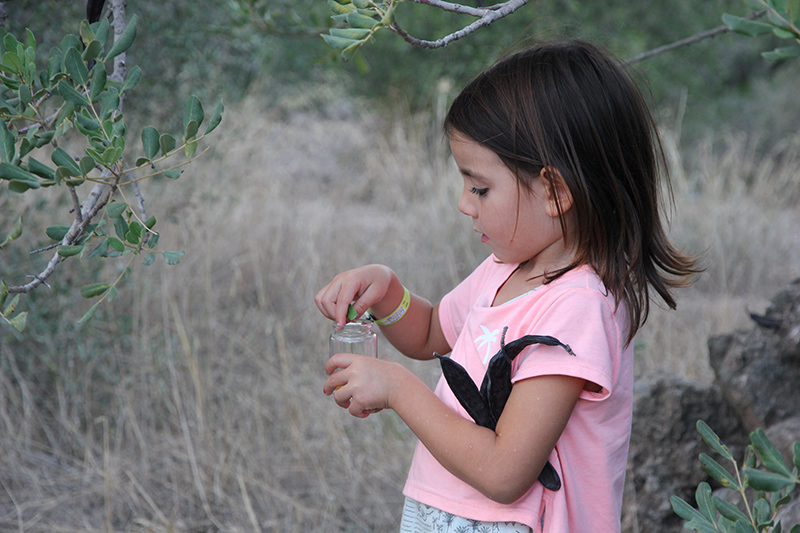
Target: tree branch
(689,40)
(487,16)
(96,200)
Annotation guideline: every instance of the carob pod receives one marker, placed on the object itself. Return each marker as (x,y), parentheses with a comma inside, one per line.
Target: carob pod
(486,405)
(466,391)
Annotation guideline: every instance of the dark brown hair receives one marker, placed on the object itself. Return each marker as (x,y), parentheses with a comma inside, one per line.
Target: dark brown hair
(568,106)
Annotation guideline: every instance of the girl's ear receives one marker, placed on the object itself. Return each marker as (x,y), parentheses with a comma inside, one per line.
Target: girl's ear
(559,198)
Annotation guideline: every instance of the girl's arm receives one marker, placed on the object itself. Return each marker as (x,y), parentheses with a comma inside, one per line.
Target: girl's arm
(376,287)
(501,464)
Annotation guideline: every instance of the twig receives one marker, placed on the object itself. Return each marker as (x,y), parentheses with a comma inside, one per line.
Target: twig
(689,40)
(487,16)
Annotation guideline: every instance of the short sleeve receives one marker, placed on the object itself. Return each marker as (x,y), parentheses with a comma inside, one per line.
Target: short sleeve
(588,321)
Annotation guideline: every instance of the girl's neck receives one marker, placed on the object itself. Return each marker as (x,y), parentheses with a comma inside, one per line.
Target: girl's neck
(525,278)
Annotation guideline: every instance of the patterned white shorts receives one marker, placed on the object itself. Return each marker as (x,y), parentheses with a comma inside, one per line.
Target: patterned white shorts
(421,518)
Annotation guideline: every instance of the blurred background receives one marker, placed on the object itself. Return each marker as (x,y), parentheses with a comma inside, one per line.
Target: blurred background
(193,402)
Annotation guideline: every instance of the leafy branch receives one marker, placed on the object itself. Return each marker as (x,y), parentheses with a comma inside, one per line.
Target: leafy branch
(763,491)
(75,96)
(362,18)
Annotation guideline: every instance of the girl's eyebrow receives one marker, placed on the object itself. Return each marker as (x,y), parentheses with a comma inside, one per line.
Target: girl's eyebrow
(466,172)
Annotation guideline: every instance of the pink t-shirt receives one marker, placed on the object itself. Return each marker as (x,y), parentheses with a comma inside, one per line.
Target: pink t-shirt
(591,454)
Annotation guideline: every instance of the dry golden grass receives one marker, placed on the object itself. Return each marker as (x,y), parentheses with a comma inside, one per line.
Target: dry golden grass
(193,401)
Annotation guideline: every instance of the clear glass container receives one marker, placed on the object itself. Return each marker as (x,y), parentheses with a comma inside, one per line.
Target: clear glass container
(354,337)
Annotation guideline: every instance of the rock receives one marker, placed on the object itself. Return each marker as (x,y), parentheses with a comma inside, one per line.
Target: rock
(665,446)
(757,370)
(783,435)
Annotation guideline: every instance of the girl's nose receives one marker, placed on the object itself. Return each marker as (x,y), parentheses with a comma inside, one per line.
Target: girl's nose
(465,204)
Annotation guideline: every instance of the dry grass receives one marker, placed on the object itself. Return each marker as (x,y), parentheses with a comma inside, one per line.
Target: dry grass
(193,403)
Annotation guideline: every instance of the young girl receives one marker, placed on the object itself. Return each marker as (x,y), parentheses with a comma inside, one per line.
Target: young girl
(560,162)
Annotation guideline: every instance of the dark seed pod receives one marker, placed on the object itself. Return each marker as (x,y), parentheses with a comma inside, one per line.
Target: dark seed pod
(548,477)
(486,405)
(466,391)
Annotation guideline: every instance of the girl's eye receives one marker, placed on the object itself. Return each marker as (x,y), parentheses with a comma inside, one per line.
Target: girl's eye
(479,192)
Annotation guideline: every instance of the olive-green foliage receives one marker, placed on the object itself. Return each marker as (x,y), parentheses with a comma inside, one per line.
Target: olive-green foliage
(65,104)
(763,491)
(225,47)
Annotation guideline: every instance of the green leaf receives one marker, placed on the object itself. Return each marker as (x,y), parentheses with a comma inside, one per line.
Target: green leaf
(192,111)
(70,250)
(216,118)
(779,54)
(19,321)
(151,257)
(116,244)
(87,164)
(109,104)
(695,520)
(752,28)
(167,143)
(191,148)
(713,441)
(743,527)
(14,173)
(357,20)
(340,43)
(340,8)
(101,250)
(350,33)
(767,481)
(173,173)
(11,306)
(132,79)
(191,130)
(88,315)
(796,455)
(705,502)
(57,233)
(87,123)
(61,158)
(352,314)
(111,155)
(92,51)
(16,231)
(761,512)
(715,470)
(124,41)
(94,289)
(99,81)
(7,143)
(750,457)
(728,510)
(172,258)
(116,209)
(150,142)
(102,30)
(770,456)
(71,95)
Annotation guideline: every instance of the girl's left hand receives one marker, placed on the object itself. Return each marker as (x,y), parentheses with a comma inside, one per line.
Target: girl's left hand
(360,384)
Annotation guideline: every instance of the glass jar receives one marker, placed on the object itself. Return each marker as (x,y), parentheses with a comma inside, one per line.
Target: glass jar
(354,337)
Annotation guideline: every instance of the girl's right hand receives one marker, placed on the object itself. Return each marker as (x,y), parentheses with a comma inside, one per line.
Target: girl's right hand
(363,287)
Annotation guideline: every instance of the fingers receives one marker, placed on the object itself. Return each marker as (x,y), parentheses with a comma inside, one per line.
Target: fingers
(363,287)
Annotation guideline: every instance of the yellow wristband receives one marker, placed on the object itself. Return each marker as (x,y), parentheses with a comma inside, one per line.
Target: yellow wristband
(398,313)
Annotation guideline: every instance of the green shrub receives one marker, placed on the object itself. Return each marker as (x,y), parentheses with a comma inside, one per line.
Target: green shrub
(763,490)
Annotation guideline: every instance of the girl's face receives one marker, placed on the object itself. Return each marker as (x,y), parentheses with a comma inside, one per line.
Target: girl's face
(517,224)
